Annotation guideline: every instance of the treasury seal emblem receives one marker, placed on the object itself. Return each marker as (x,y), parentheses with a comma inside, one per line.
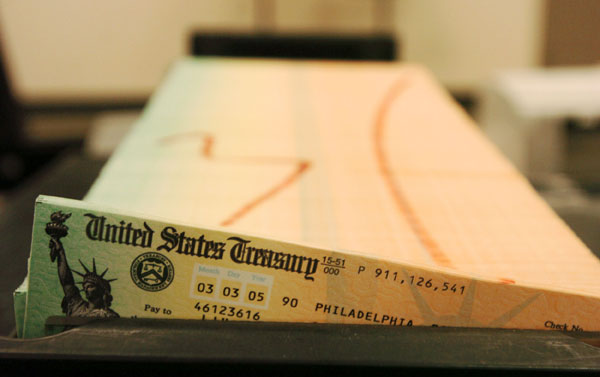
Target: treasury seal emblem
(152,271)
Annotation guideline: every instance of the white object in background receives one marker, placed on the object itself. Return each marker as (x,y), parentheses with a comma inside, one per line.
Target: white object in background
(523,112)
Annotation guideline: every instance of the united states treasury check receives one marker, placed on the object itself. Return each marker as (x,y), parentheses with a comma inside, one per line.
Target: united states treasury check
(94,262)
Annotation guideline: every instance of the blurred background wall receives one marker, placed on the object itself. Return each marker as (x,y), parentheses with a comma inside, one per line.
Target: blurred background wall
(82,51)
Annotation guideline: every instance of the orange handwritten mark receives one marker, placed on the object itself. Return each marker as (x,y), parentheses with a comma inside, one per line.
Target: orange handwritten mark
(302,166)
(402,203)
(207,152)
(208,144)
(507,281)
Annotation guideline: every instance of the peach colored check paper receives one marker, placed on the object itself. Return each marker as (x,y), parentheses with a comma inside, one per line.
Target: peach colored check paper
(162,269)
(371,158)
